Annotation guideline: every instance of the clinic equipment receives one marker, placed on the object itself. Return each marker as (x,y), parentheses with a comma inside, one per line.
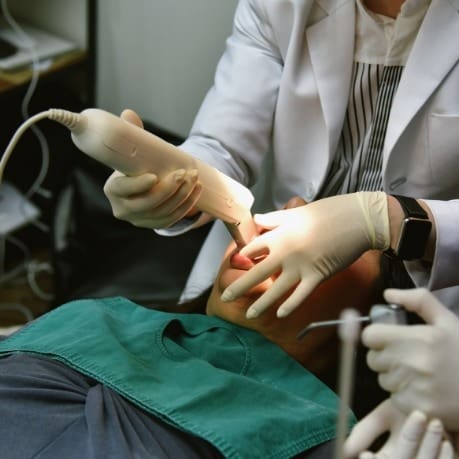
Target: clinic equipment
(133,151)
(379,313)
(348,331)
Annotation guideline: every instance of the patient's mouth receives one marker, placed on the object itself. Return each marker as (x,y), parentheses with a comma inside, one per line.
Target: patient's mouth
(238,261)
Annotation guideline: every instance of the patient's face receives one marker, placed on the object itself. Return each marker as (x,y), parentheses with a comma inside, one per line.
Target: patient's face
(357,286)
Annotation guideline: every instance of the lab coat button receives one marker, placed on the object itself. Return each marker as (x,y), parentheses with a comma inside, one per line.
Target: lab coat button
(396,183)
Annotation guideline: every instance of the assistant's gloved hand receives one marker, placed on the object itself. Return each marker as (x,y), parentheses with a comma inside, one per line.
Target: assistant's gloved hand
(419,364)
(148,202)
(411,437)
(308,244)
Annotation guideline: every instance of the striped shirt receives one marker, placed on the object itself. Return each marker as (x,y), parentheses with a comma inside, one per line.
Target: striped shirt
(381,52)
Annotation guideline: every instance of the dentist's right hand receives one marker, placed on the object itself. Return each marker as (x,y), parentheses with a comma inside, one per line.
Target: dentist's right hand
(410,437)
(148,202)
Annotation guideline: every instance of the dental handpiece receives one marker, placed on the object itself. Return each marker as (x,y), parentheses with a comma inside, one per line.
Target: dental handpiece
(132,150)
(379,313)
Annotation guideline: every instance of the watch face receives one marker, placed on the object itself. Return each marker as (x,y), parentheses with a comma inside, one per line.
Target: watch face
(414,237)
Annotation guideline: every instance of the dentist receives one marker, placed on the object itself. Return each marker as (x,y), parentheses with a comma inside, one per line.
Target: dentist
(349,104)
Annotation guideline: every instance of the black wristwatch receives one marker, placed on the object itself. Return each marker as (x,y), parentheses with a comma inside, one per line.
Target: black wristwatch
(414,233)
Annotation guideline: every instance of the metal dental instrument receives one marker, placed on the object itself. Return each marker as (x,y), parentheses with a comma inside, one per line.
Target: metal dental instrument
(348,331)
(379,313)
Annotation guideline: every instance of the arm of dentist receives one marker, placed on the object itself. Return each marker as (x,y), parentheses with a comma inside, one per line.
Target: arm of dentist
(309,244)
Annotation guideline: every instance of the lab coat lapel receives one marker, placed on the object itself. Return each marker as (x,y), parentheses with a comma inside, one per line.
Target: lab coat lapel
(429,62)
(331,47)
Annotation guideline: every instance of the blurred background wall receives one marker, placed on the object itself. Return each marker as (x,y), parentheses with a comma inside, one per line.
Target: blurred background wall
(158,57)
(155,56)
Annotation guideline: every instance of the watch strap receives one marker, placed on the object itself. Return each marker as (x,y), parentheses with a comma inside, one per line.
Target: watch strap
(411,207)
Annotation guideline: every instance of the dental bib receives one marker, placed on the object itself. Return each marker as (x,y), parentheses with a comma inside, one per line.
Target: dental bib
(226,384)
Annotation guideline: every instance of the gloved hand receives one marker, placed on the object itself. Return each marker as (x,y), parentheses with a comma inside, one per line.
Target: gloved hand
(148,202)
(411,437)
(419,364)
(308,244)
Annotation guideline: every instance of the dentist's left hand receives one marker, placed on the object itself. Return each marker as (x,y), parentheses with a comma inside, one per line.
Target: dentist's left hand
(419,364)
(308,244)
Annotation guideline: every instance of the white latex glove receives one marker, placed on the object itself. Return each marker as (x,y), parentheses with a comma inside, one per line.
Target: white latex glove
(148,202)
(308,244)
(419,364)
(411,437)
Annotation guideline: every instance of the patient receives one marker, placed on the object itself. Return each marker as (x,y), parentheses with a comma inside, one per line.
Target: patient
(357,286)
(111,379)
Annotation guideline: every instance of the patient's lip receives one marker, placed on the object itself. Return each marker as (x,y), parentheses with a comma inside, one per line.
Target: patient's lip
(236,267)
(238,264)
(238,261)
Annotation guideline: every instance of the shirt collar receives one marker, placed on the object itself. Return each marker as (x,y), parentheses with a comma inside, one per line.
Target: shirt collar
(381,39)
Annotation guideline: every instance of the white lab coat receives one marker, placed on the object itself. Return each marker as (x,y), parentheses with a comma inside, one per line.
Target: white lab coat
(283,85)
